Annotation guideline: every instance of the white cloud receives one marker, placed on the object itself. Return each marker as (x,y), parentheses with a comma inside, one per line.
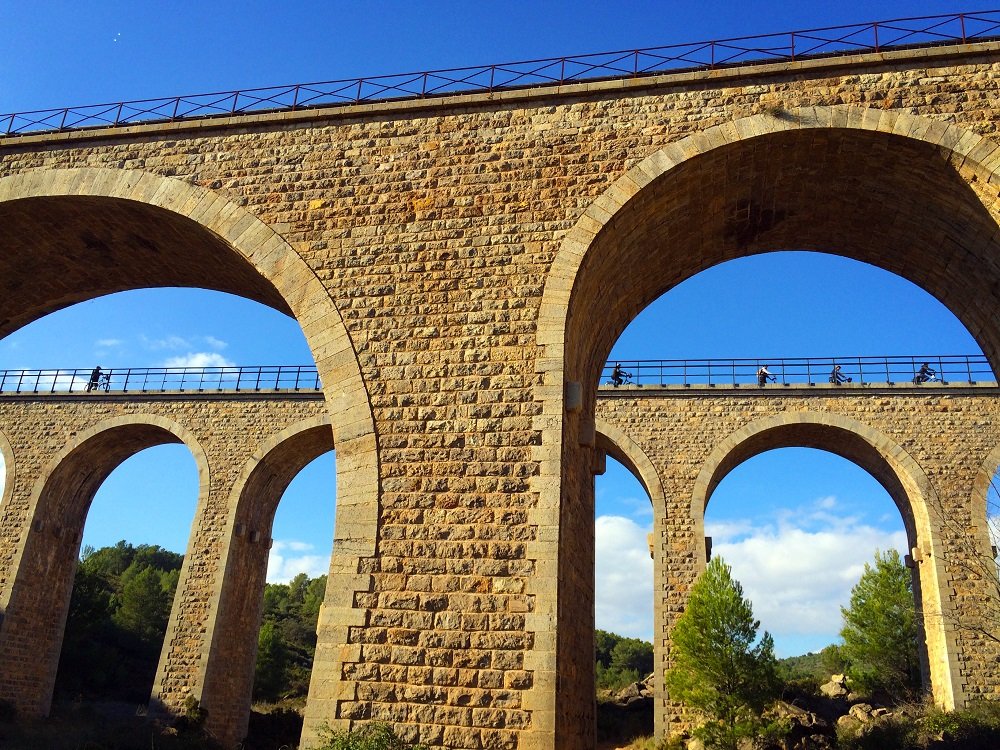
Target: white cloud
(797,568)
(798,579)
(199,359)
(827,503)
(167,342)
(624,577)
(108,343)
(215,343)
(283,567)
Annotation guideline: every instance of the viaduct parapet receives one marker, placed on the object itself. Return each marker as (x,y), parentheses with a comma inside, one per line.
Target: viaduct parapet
(460,268)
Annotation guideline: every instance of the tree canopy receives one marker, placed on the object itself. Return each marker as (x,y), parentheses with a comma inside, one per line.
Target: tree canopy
(720,668)
(880,629)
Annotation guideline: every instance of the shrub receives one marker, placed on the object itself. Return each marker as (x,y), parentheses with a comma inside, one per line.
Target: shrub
(373,736)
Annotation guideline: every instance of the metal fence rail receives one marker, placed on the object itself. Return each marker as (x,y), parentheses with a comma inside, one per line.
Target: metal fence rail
(799,371)
(275,378)
(878,36)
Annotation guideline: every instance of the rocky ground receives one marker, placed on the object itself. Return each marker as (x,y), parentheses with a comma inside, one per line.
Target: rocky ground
(814,719)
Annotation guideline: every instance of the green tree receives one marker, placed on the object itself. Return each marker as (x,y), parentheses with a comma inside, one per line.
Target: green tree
(880,630)
(144,604)
(717,668)
(270,679)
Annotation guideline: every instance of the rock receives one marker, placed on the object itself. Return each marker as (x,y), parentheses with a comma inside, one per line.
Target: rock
(833,688)
(863,712)
(629,693)
(849,724)
(795,714)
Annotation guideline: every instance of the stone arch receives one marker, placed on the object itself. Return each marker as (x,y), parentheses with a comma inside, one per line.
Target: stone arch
(789,178)
(200,226)
(37,597)
(280,278)
(976,157)
(627,452)
(227,662)
(901,477)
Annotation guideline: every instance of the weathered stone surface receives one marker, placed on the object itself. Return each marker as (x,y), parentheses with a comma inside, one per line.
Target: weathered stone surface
(454,263)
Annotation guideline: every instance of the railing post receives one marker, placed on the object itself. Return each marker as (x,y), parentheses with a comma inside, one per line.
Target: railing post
(961,20)
(118,114)
(875,29)
(968,369)
(792,45)
(295,97)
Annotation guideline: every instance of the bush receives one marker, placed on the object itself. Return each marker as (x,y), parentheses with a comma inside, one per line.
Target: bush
(888,733)
(373,736)
(974,728)
(928,728)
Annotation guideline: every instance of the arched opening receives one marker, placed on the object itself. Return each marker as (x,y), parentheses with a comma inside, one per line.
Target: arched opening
(133,540)
(797,525)
(229,671)
(297,569)
(49,552)
(770,183)
(93,232)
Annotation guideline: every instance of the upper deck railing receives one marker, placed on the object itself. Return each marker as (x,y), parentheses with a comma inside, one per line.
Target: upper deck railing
(278,378)
(906,370)
(650,373)
(876,36)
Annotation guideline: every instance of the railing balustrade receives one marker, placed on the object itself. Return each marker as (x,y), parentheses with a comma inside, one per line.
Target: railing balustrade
(878,36)
(954,369)
(276,378)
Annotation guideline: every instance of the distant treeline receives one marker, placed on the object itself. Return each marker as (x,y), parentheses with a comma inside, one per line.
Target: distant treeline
(118,616)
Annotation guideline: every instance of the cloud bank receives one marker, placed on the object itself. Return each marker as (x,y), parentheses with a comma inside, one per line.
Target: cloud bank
(797,568)
(288,558)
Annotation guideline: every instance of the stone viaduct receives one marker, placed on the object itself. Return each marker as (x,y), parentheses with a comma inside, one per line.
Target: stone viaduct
(461,267)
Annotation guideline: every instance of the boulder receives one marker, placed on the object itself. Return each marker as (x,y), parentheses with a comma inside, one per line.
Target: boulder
(863,712)
(849,724)
(836,687)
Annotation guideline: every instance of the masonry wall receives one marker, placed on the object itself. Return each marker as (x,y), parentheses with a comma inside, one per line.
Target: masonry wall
(433,227)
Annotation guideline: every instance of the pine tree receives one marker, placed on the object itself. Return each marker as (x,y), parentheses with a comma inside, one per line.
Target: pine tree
(717,670)
(272,660)
(880,629)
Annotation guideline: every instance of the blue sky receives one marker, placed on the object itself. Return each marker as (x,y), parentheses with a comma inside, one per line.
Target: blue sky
(784,304)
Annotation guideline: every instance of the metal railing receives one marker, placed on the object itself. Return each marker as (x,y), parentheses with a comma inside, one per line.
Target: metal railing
(800,371)
(162,379)
(877,36)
